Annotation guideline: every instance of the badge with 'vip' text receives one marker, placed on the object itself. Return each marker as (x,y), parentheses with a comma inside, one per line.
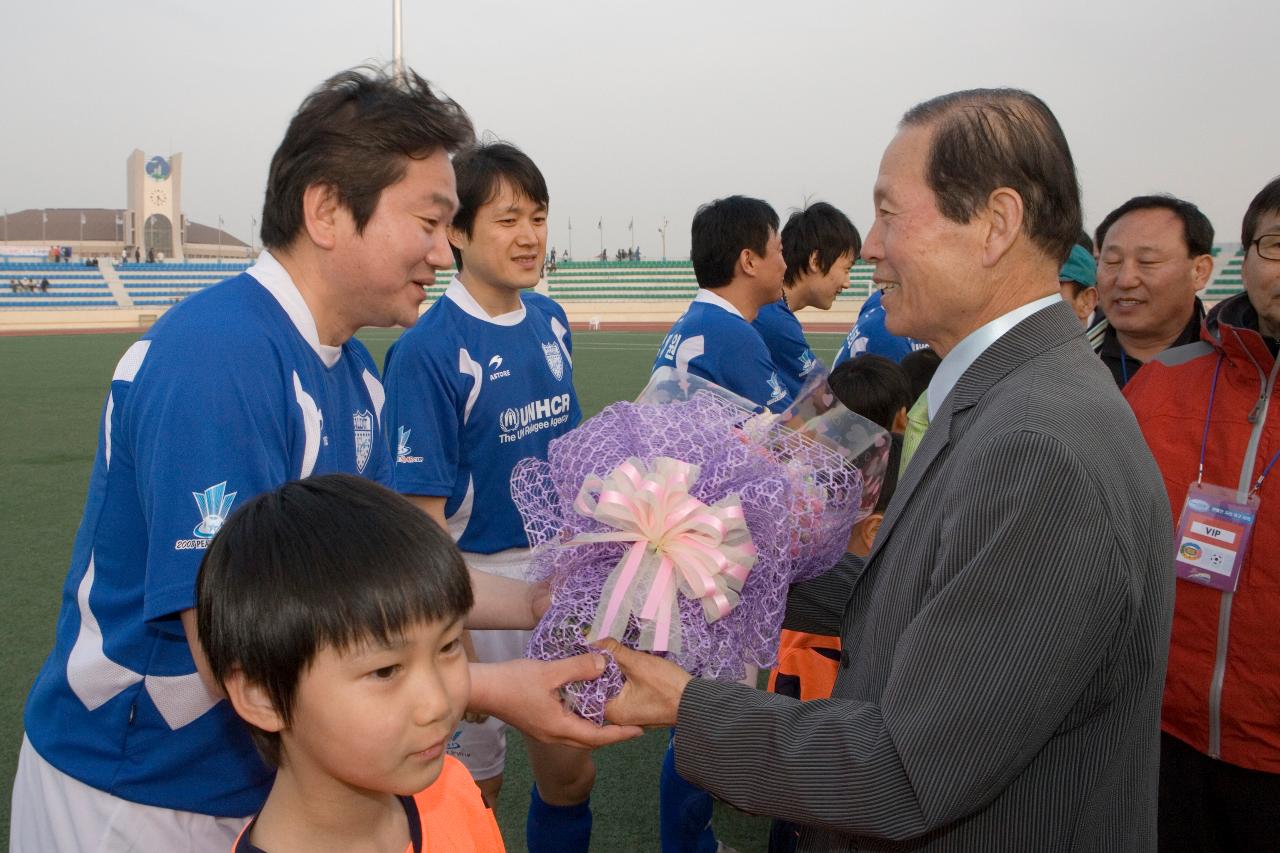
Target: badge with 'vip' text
(1213,535)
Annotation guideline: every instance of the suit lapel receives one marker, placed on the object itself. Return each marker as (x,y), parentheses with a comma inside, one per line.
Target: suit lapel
(1036,334)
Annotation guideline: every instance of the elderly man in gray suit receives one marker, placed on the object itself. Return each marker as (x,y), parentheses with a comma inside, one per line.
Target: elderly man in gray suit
(1005,648)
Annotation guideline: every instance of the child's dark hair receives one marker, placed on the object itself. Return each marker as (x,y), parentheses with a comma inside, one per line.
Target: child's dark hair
(330,561)
(920,365)
(872,386)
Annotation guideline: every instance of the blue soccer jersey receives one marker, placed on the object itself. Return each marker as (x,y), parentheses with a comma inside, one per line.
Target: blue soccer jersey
(469,396)
(223,399)
(713,340)
(788,349)
(869,335)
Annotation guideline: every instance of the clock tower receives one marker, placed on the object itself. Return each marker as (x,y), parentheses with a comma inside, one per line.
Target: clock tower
(153,220)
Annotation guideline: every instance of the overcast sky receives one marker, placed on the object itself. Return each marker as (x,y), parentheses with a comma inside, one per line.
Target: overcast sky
(644,110)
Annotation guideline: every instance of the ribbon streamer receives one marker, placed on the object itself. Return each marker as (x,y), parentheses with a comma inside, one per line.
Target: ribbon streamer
(678,543)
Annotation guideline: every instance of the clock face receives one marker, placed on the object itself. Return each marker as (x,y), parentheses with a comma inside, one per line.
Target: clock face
(158,168)
(158,197)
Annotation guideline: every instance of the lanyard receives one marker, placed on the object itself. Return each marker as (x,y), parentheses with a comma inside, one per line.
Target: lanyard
(1204,440)
(1124,371)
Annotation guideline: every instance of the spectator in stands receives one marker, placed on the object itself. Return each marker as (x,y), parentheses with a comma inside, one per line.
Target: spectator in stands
(124,256)
(1208,412)
(1087,242)
(151,256)
(819,244)
(128,742)
(137,255)
(44,285)
(1077,279)
(1154,255)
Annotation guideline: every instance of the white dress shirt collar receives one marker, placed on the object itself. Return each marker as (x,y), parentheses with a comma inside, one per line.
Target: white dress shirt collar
(713,298)
(276,279)
(975,344)
(458,294)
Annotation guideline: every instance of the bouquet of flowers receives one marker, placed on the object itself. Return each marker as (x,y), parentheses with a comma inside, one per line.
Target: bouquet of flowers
(676,524)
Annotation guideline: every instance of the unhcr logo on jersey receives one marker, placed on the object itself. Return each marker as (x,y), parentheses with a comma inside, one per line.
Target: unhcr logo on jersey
(533,417)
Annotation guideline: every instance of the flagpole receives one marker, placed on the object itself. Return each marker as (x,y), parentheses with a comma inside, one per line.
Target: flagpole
(396,42)
(600,225)
(570,234)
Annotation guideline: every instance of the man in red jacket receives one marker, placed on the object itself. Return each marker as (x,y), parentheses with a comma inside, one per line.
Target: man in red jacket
(1210,415)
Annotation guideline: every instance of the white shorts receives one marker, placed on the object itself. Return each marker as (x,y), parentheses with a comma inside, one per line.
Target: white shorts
(482,747)
(52,812)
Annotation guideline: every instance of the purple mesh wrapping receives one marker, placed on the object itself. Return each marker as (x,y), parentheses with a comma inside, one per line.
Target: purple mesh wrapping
(799,499)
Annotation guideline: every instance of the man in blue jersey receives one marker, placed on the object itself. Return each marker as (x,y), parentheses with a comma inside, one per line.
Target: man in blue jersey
(820,245)
(484,380)
(869,335)
(738,262)
(237,389)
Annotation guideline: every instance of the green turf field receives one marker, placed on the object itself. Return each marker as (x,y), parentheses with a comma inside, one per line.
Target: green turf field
(53,389)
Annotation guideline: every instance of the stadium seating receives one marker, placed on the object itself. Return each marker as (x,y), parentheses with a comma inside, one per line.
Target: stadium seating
(70,286)
(606,282)
(597,281)
(1226,280)
(166,283)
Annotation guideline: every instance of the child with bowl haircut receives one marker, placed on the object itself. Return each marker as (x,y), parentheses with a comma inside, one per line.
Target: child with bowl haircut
(331,612)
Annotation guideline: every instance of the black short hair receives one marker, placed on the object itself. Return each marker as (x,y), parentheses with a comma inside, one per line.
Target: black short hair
(820,228)
(872,386)
(329,561)
(1085,241)
(481,171)
(920,365)
(1197,231)
(355,133)
(722,229)
(984,139)
(1267,200)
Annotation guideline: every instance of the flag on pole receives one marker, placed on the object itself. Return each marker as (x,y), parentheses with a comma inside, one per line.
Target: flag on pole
(600,224)
(82,217)
(570,223)
(44,217)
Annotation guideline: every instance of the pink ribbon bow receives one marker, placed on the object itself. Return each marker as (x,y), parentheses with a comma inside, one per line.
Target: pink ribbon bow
(678,543)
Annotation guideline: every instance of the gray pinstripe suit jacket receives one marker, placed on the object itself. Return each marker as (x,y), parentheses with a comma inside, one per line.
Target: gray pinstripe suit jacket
(1005,647)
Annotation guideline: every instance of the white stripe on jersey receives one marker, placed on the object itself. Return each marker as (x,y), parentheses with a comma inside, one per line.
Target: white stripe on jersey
(92,676)
(467,367)
(376,393)
(312,424)
(689,349)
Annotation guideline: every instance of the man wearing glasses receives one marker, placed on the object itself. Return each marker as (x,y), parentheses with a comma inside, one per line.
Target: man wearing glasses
(1154,255)
(1211,416)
